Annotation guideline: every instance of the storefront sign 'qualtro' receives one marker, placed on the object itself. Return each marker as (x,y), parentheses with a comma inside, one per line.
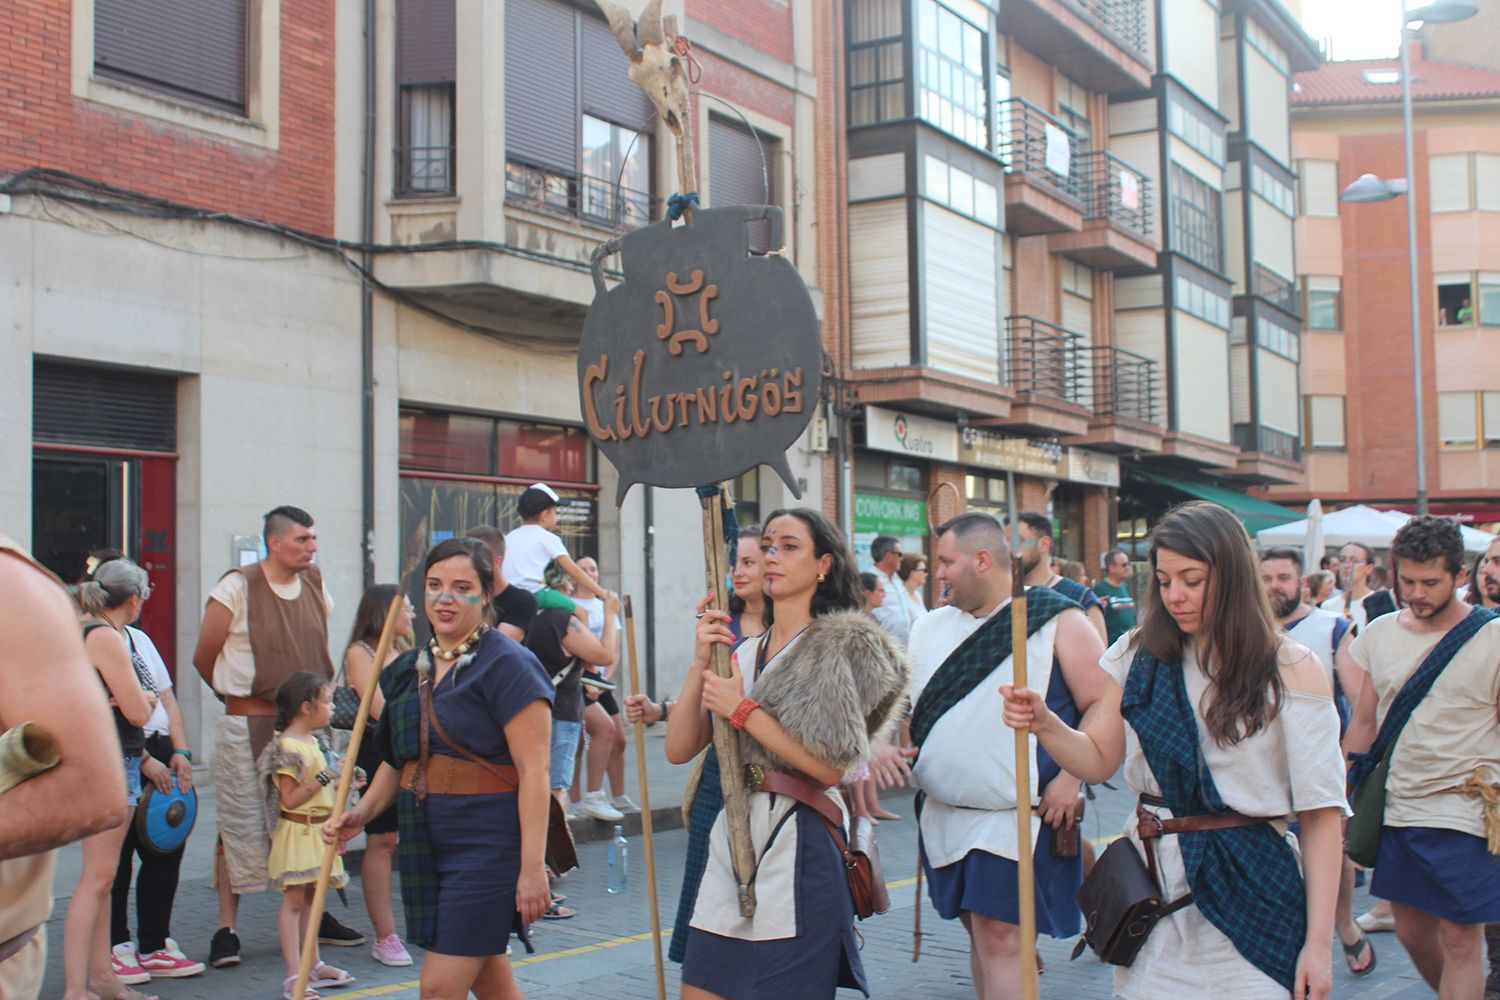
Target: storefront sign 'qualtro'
(907,434)
(706,360)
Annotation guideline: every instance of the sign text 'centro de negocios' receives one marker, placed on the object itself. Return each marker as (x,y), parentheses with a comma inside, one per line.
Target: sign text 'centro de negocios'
(1033,457)
(706,361)
(908,434)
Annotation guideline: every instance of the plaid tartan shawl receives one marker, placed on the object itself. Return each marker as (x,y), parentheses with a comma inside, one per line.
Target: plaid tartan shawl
(707,802)
(1414,690)
(976,658)
(1382,602)
(400,729)
(1245,880)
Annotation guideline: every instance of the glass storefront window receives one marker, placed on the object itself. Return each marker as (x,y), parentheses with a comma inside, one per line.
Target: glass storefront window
(904,477)
(446,442)
(544,452)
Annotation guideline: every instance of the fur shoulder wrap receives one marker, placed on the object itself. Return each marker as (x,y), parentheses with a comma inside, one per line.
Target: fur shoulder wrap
(836,689)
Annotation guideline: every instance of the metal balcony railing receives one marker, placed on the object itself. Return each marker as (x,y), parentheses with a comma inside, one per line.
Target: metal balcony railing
(1046,360)
(1034,143)
(591,199)
(1268,441)
(1116,191)
(1124,19)
(424,170)
(1124,384)
(1280,292)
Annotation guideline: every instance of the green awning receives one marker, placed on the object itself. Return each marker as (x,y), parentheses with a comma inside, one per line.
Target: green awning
(1257,514)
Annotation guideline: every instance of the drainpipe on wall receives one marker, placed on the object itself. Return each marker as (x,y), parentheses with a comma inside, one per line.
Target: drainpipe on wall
(367,314)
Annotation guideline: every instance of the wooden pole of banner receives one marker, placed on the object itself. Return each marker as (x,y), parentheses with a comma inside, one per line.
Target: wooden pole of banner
(341,798)
(726,740)
(640,774)
(1025,869)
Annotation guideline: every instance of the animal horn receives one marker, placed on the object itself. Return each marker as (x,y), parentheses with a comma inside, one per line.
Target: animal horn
(648,27)
(622,24)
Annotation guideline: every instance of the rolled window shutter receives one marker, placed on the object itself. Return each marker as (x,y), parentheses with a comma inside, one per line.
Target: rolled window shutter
(190,48)
(541,84)
(608,91)
(103,407)
(425,41)
(736,175)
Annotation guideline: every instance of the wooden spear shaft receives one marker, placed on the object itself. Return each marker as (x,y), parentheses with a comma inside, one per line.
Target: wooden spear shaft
(346,778)
(640,774)
(726,741)
(1025,868)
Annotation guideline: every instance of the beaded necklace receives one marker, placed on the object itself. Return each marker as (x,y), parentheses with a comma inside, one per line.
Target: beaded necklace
(462,648)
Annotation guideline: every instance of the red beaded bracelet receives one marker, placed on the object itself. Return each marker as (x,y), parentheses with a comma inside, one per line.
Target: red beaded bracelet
(742,712)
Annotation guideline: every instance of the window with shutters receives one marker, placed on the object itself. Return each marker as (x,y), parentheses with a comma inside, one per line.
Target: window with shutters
(1318,188)
(1458,419)
(1323,422)
(1455,299)
(426,37)
(740,164)
(1322,302)
(1195,218)
(577,129)
(192,50)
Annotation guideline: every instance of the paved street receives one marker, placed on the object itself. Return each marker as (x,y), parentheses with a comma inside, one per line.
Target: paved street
(606,950)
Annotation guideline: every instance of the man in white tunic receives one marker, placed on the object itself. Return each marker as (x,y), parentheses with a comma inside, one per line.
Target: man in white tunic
(966,767)
(1329,636)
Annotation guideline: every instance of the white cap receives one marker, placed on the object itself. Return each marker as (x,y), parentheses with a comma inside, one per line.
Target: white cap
(547,490)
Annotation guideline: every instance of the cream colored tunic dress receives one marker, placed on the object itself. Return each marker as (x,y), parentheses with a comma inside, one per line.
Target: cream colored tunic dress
(1292,765)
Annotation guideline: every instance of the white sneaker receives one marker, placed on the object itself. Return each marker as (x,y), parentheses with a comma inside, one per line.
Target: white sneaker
(623,803)
(596,805)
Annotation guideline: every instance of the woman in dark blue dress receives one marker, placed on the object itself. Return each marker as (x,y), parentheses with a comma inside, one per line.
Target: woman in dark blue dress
(472,831)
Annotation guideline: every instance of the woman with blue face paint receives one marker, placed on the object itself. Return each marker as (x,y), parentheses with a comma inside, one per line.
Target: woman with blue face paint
(464,741)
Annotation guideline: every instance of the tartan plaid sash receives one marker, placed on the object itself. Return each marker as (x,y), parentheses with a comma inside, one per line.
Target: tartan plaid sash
(707,802)
(1382,602)
(401,728)
(1245,880)
(976,658)
(1414,690)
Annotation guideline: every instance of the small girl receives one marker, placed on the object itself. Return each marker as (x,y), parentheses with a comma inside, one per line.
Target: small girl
(301,798)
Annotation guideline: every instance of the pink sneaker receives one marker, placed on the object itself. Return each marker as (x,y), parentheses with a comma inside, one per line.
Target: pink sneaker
(391,952)
(127,966)
(170,963)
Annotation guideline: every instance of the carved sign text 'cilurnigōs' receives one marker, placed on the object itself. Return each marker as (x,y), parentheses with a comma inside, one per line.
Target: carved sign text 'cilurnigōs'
(705,361)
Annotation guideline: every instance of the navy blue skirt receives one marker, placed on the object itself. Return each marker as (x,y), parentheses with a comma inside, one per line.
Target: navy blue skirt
(811,966)
(476,849)
(988,884)
(1446,873)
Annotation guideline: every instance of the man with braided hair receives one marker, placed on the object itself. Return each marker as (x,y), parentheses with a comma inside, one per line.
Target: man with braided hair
(966,768)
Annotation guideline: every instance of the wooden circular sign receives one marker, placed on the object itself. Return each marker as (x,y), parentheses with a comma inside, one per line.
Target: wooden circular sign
(706,360)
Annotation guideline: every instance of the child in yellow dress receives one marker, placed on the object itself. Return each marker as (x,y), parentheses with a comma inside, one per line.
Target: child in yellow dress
(302,797)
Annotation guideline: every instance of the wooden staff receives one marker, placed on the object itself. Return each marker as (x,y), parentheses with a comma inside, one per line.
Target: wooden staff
(640,775)
(726,740)
(346,778)
(1025,873)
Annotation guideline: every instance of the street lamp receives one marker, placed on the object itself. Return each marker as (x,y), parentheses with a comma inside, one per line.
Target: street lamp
(1370,188)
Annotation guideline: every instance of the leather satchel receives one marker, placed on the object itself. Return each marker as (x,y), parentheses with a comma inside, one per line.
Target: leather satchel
(1121,904)
(861,858)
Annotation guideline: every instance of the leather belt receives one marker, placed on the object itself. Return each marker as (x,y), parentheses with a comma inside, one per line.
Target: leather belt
(316,819)
(454,776)
(795,786)
(13,945)
(236,704)
(1149,825)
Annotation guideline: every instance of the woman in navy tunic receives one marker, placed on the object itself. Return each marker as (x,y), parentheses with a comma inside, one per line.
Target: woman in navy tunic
(471,864)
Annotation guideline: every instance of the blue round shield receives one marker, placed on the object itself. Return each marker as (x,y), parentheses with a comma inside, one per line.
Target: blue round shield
(163,820)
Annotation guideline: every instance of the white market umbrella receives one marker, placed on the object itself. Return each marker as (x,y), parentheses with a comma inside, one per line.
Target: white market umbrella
(1359,523)
(1312,544)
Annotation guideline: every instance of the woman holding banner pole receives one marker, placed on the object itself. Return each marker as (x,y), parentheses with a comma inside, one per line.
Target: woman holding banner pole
(807,697)
(465,738)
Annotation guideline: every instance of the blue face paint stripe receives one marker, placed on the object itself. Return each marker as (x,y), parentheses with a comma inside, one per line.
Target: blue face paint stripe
(438,596)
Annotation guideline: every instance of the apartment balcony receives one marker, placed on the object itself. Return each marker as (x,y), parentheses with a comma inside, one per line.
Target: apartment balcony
(1267,456)
(1043,193)
(1280,292)
(1124,389)
(1116,230)
(1049,374)
(1104,44)
(537,281)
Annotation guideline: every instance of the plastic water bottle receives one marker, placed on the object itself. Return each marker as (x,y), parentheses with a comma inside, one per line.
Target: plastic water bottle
(619,862)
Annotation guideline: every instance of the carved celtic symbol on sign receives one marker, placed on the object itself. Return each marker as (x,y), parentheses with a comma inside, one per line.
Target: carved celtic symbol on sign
(665,330)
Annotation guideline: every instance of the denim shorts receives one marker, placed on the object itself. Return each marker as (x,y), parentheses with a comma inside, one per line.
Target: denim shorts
(565,737)
(133,780)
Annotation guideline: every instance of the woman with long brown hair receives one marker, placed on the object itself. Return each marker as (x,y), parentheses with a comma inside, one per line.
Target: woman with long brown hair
(1231,731)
